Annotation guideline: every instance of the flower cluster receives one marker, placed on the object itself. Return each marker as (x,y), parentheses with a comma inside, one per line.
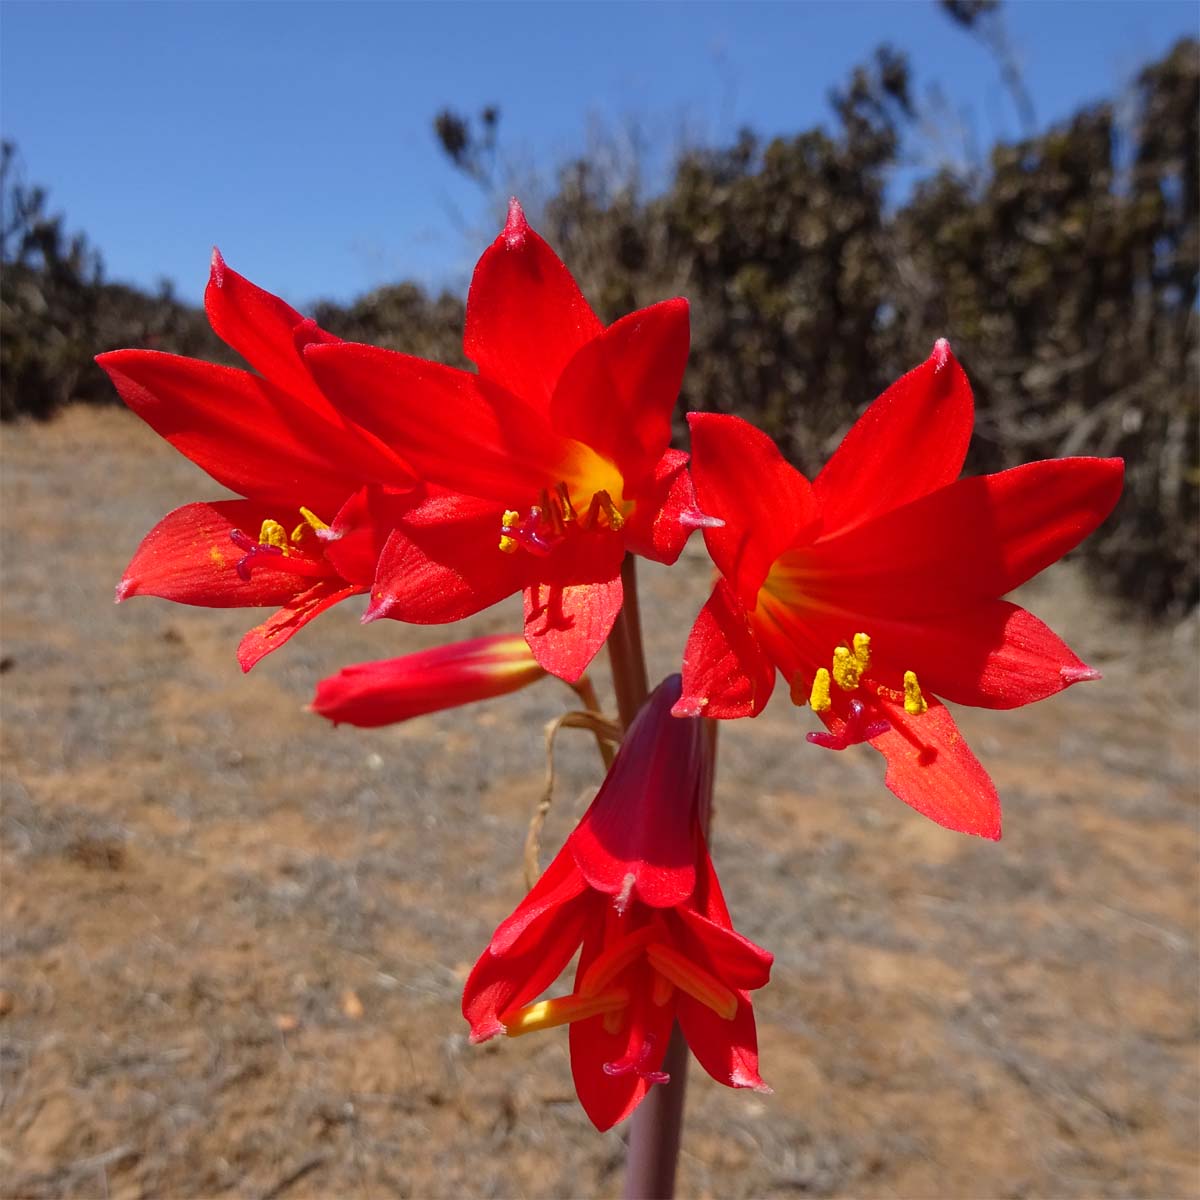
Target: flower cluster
(875,590)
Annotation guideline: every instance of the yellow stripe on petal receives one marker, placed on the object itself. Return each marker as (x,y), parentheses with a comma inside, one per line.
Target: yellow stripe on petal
(546,1014)
(613,961)
(694,980)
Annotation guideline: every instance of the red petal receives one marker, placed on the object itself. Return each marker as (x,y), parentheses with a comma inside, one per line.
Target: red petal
(235,426)
(355,539)
(189,557)
(455,429)
(559,883)
(640,838)
(909,442)
(726,673)
(971,541)
(260,327)
(656,529)
(766,504)
(382,693)
(443,563)
(994,656)
(618,392)
(723,952)
(566,625)
(608,1099)
(931,768)
(529,966)
(727,1050)
(526,317)
(290,619)
(570,610)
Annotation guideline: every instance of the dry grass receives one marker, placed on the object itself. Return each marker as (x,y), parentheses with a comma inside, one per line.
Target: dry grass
(234,939)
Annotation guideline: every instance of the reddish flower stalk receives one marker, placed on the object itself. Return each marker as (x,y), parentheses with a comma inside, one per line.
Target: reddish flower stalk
(553,459)
(314,515)
(383,693)
(634,886)
(874,589)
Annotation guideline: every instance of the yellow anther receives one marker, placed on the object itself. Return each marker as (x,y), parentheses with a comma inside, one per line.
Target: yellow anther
(311,519)
(546,1014)
(273,534)
(818,698)
(509,544)
(694,980)
(602,502)
(914,703)
(566,508)
(862,650)
(847,670)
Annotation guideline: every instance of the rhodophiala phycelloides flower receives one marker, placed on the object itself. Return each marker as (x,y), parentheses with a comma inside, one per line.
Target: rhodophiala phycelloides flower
(875,589)
(382,693)
(555,453)
(308,531)
(635,887)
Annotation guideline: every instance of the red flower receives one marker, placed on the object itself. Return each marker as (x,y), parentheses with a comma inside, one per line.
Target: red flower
(635,887)
(556,452)
(874,589)
(309,530)
(383,693)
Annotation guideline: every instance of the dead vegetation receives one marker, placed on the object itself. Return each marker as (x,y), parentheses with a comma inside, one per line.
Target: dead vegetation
(198,876)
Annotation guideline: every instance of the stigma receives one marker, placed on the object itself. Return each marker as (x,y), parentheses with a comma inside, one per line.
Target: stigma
(279,548)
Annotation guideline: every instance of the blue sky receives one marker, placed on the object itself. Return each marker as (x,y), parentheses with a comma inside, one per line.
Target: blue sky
(297,137)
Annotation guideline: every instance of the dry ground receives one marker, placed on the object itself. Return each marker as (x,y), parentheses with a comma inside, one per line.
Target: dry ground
(234,939)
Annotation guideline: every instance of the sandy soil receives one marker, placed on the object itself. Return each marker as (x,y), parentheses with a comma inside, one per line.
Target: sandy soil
(234,939)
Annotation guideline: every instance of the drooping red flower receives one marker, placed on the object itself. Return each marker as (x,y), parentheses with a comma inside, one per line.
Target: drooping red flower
(383,693)
(875,589)
(635,887)
(315,511)
(555,453)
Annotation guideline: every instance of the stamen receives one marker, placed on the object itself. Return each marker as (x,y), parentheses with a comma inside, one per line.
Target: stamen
(862,649)
(510,520)
(565,507)
(551,512)
(274,534)
(856,729)
(312,526)
(279,559)
(546,1014)
(312,519)
(609,964)
(694,980)
(661,990)
(614,1021)
(635,1061)
(846,670)
(527,534)
(819,697)
(914,703)
(602,503)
